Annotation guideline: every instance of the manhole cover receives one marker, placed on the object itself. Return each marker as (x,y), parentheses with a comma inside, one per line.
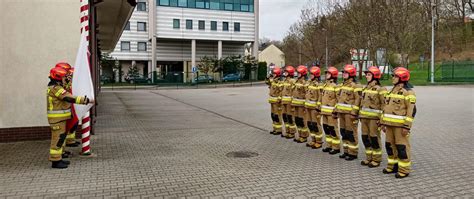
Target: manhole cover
(241,154)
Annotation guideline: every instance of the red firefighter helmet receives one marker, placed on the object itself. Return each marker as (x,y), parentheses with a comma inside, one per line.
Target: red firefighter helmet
(64,65)
(375,72)
(276,71)
(402,73)
(290,70)
(351,70)
(57,73)
(302,70)
(333,71)
(316,71)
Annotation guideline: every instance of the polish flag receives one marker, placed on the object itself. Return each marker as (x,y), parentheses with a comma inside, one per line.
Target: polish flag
(81,80)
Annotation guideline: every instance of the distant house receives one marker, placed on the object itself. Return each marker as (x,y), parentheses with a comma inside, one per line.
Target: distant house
(272,55)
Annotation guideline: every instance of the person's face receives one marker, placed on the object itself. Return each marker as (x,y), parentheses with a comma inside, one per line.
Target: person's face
(368,76)
(345,75)
(328,75)
(395,79)
(312,76)
(285,74)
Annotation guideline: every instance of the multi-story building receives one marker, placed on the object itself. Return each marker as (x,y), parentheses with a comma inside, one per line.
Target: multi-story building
(172,35)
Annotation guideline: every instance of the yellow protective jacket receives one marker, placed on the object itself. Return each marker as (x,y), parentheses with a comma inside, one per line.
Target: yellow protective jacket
(328,97)
(348,97)
(287,90)
(299,92)
(313,91)
(399,107)
(275,87)
(59,103)
(372,101)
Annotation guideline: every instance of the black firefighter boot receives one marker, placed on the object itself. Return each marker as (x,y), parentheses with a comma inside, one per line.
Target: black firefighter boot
(59,164)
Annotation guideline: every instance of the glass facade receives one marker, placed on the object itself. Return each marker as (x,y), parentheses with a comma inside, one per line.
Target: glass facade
(230,5)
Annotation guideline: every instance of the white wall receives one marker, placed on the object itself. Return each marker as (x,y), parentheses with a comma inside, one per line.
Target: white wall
(165,16)
(35,34)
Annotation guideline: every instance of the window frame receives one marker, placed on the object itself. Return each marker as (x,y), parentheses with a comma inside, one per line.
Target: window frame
(236,24)
(187,23)
(138,7)
(178,24)
(138,26)
(138,46)
(122,46)
(203,25)
(214,24)
(224,27)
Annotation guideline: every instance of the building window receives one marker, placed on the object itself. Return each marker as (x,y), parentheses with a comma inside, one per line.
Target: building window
(202,25)
(174,3)
(228,6)
(189,24)
(141,6)
(125,46)
(191,3)
(141,46)
(215,5)
(244,8)
(225,26)
(127,26)
(236,27)
(183,3)
(176,23)
(213,25)
(141,26)
(164,2)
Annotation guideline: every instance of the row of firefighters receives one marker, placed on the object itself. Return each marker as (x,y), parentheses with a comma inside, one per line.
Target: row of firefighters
(311,109)
(60,112)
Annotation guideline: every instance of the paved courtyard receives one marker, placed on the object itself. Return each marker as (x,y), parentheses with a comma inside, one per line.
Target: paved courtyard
(174,143)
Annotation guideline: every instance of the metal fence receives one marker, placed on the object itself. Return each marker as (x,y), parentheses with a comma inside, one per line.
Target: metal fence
(457,71)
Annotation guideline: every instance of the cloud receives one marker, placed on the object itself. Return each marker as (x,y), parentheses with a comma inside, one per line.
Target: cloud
(276,17)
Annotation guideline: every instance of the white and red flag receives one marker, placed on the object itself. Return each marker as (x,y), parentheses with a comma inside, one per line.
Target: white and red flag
(81,80)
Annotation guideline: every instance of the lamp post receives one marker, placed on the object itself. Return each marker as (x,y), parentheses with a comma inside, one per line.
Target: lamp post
(433,18)
(326,62)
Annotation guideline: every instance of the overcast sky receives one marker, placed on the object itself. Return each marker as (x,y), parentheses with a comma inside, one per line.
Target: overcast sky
(276,17)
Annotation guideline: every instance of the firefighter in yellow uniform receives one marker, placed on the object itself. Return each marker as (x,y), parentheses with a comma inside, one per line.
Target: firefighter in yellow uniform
(328,99)
(313,109)
(59,110)
(72,123)
(347,109)
(369,115)
(299,93)
(396,120)
(286,98)
(275,100)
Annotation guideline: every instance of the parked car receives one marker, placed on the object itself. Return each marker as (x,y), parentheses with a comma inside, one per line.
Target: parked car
(105,79)
(137,79)
(204,79)
(231,77)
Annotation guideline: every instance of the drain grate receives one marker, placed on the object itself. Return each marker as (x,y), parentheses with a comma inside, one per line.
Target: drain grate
(241,154)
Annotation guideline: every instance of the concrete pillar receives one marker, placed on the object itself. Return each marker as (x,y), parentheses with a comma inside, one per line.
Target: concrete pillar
(219,56)
(193,57)
(257,17)
(152,35)
(185,72)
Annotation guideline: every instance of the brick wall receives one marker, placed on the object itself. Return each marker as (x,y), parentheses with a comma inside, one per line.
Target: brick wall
(24,133)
